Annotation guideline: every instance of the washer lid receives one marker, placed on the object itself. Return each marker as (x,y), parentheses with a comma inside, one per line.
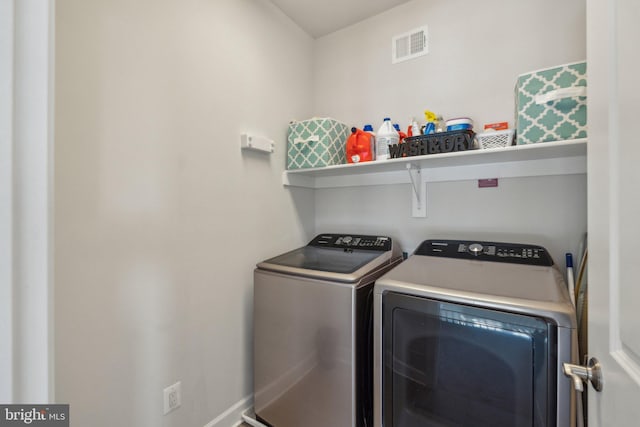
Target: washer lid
(344,258)
(325,259)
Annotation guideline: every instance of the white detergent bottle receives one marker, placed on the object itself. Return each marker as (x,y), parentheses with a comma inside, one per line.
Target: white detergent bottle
(386,136)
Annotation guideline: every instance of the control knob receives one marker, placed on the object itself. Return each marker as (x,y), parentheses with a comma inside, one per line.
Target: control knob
(475,249)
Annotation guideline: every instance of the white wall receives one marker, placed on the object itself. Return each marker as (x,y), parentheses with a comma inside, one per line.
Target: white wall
(160,218)
(476,52)
(547,211)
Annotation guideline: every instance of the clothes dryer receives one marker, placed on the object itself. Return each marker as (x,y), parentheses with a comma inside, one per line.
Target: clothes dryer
(473,334)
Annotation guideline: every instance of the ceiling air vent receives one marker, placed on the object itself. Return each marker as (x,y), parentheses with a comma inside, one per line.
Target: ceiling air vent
(410,45)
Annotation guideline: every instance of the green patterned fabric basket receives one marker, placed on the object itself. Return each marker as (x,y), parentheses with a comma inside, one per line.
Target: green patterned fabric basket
(315,143)
(551,104)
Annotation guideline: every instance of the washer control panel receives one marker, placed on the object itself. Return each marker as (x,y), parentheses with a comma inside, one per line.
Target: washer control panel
(515,253)
(352,241)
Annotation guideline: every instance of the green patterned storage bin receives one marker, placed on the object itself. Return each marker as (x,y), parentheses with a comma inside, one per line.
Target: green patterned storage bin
(551,104)
(316,142)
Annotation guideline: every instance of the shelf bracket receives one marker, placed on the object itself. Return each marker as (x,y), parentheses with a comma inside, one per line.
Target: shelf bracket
(415,182)
(419,196)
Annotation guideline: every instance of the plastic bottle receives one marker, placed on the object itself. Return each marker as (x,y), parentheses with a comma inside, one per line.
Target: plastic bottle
(401,134)
(369,129)
(386,136)
(432,120)
(358,147)
(429,128)
(415,128)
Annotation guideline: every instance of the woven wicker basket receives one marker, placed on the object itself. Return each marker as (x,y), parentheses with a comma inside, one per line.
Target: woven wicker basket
(495,139)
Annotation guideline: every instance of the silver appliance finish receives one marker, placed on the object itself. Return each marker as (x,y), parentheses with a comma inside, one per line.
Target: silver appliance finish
(309,338)
(510,287)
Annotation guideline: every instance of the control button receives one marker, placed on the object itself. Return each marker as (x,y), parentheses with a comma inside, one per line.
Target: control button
(347,239)
(475,249)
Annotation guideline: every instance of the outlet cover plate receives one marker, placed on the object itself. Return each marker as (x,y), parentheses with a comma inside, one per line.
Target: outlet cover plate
(172,397)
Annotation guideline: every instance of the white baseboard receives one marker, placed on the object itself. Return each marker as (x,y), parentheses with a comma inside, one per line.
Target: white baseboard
(232,417)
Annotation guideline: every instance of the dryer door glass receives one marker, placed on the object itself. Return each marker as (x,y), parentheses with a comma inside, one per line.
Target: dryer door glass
(448,364)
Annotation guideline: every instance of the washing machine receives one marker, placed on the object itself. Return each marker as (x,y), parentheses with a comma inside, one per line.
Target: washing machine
(473,334)
(313,331)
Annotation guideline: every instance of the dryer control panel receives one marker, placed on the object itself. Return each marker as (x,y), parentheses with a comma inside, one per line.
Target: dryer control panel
(352,241)
(515,253)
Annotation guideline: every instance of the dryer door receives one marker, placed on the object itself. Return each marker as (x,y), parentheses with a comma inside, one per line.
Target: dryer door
(448,364)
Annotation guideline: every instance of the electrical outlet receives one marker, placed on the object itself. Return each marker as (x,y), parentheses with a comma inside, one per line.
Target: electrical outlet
(172,397)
